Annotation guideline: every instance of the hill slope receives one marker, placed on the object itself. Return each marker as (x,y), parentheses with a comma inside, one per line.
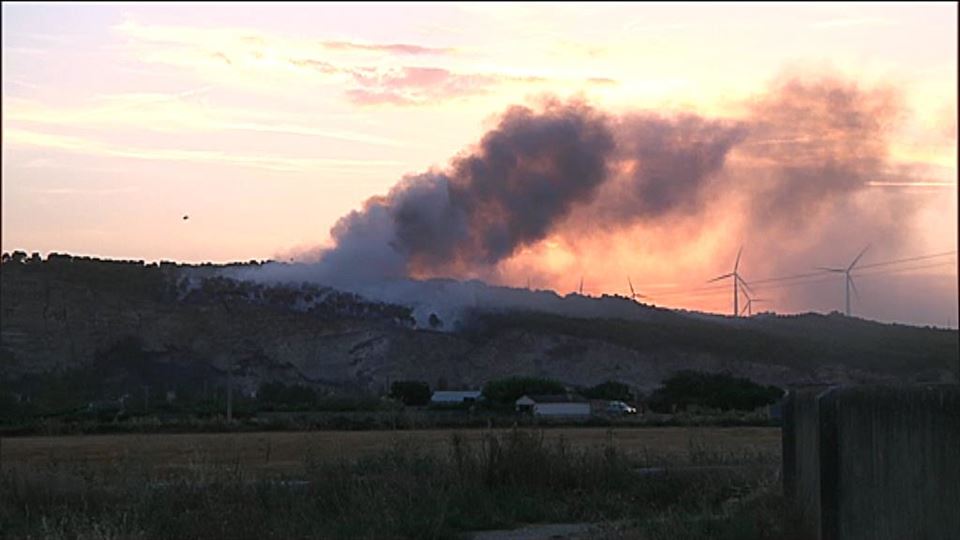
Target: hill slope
(114,325)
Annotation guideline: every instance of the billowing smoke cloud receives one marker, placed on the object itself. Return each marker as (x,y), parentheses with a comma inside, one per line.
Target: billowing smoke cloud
(817,141)
(791,175)
(522,182)
(664,164)
(523,178)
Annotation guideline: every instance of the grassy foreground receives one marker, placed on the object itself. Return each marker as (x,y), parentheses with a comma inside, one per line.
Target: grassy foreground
(289,452)
(407,490)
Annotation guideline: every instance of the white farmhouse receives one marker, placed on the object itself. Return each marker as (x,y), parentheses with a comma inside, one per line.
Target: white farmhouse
(556,405)
(448,397)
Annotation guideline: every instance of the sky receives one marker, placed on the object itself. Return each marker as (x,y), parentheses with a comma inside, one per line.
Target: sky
(268,123)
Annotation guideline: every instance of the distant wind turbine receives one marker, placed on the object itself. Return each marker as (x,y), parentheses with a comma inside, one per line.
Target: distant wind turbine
(849,278)
(749,307)
(633,293)
(581,285)
(737,280)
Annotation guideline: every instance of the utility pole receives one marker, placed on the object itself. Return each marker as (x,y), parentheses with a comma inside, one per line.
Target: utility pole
(230,392)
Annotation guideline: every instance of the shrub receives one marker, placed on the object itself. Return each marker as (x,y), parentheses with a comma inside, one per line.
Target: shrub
(610,390)
(712,390)
(411,392)
(507,391)
(279,396)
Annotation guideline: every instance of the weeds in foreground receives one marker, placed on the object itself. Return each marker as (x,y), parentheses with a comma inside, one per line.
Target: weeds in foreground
(403,492)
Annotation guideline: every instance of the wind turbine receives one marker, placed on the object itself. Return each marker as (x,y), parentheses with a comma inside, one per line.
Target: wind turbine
(633,293)
(849,279)
(749,307)
(737,280)
(581,285)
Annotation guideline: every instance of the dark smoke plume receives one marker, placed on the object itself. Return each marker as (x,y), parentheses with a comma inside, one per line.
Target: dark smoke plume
(523,178)
(791,177)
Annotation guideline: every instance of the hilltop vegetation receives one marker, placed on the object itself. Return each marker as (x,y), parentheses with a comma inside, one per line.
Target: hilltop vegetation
(799,341)
(79,329)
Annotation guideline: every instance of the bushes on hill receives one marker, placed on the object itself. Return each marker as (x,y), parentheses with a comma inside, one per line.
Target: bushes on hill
(610,390)
(283,397)
(712,390)
(411,392)
(506,391)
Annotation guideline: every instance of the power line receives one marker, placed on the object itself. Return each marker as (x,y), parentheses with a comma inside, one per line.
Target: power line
(898,270)
(908,259)
(823,275)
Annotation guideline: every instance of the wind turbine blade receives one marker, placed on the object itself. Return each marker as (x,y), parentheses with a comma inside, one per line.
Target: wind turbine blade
(744,310)
(853,285)
(744,283)
(858,258)
(720,277)
(825,269)
(633,293)
(737,264)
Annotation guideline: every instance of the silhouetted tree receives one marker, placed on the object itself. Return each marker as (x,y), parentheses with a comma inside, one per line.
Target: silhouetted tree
(714,390)
(506,391)
(610,390)
(411,392)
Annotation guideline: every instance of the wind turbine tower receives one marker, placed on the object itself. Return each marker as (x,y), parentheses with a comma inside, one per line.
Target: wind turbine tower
(849,278)
(737,281)
(749,307)
(633,293)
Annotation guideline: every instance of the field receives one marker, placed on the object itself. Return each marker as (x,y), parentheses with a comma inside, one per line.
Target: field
(651,483)
(288,452)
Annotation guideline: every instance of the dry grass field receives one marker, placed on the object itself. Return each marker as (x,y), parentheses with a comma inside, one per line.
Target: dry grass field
(287,452)
(689,483)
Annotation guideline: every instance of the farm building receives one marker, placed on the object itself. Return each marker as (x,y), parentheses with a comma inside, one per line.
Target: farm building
(556,405)
(455,396)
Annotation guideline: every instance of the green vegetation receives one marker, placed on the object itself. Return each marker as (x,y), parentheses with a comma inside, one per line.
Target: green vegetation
(411,392)
(712,390)
(800,341)
(499,481)
(504,392)
(610,390)
(279,396)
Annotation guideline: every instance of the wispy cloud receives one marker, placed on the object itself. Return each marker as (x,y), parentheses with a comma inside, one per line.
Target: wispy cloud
(172,113)
(240,57)
(918,183)
(394,48)
(412,85)
(276,163)
(848,22)
(602,80)
(65,191)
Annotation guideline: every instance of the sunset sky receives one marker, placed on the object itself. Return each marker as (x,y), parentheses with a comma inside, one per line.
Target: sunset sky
(266,123)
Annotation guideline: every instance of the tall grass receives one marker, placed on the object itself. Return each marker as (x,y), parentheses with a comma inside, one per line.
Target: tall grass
(403,492)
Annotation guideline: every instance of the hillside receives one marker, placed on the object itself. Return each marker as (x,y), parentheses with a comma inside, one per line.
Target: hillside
(106,327)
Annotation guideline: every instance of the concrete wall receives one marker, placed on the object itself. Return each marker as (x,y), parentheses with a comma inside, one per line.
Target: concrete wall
(801,448)
(874,462)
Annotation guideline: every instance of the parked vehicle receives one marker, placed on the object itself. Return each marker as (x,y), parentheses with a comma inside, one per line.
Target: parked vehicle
(619,407)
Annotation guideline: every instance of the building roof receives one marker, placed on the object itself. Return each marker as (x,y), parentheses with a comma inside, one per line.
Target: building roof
(557,398)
